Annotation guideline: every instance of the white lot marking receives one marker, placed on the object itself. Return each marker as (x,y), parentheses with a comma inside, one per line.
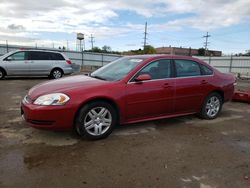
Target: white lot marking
(235,109)
(224,133)
(15,120)
(206,186)
(147,127)
(217,120)
(221,119)
(198,178)
(230,132)
(186,180)
(13,109)
(35,136)
(16,97)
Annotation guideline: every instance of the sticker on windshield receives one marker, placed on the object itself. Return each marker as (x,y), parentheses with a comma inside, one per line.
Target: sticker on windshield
(136,60)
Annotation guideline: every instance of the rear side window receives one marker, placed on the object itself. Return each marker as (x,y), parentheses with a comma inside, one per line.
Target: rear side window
(39,56)
(56,56)
(187,68)
(205,70)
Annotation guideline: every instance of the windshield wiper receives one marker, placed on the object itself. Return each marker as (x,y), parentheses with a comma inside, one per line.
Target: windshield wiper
(98,77)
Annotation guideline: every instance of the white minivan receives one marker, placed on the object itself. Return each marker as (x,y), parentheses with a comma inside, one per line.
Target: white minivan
(35,63)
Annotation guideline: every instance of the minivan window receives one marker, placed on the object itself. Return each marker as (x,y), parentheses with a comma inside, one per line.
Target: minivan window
(186,68)
(39,55)
(56,56)
(159,69)
(19,56)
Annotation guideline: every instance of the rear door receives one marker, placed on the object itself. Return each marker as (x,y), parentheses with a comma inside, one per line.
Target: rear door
(17,64)
(191,86)
(152,98)
(41,63)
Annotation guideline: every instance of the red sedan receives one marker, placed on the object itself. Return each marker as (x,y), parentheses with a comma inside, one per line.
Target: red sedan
(128,90)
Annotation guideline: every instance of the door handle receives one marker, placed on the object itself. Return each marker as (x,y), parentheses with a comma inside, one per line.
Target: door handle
(204,82)
(166,85)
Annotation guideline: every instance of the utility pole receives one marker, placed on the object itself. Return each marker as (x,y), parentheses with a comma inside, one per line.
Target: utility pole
(145,36)
(7,46)
(206,42)
(92,41)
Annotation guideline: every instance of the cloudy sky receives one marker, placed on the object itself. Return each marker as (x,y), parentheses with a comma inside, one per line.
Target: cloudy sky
(120,23)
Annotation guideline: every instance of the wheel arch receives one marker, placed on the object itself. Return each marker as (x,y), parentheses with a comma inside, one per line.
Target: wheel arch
(54,68)
(5,72)
(103,99)
(220,92)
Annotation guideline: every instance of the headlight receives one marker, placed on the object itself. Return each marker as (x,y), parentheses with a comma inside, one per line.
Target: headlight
(52,99)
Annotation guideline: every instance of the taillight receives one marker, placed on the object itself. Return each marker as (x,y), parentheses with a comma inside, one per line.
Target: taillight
(69,62)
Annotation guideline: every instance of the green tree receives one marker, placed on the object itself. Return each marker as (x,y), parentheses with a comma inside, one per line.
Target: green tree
(96,49)
(149,49)
(201,51)
(106,48)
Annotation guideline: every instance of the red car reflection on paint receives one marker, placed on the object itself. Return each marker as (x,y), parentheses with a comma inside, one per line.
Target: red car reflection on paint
(128,90)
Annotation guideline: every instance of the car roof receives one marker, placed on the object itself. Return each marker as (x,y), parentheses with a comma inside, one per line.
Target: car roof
(158,56)
(35,50)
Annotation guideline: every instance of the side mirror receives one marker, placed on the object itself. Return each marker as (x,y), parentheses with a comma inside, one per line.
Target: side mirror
(143,77)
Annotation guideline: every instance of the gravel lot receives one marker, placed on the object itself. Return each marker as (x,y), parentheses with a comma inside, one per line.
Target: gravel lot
(178,152)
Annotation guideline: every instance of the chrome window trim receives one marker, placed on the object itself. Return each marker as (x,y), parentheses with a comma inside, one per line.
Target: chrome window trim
(131,82)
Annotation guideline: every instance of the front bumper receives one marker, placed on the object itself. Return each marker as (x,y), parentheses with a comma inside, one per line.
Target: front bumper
(48,117)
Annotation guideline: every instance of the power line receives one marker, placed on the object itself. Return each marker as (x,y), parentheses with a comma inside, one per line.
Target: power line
(206,42)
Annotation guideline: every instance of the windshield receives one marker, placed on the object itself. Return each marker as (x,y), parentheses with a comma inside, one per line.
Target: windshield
(117,69)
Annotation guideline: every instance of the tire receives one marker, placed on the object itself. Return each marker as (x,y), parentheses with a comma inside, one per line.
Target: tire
(56,74)
(212,106)
(91,118)
(2,74)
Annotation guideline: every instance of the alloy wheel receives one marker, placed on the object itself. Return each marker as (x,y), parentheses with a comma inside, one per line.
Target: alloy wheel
(57,74)
(97,121)
(212,106)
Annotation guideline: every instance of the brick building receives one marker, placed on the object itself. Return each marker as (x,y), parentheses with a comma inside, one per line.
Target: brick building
(185,51)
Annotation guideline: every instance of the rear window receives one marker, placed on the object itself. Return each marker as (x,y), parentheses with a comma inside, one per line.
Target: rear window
(56,56)
(205,70)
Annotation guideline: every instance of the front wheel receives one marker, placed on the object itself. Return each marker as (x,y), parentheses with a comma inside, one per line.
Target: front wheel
(2,74)
(96,120)
(212,106)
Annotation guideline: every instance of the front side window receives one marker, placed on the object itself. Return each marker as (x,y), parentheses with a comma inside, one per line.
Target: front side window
(187,68)
(117,69)
(19,56)
(159,69)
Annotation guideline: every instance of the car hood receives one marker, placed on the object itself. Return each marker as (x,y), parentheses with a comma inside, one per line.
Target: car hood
(64,85)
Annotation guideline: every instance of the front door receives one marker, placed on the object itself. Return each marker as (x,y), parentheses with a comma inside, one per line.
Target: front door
(17,64)
(152,98)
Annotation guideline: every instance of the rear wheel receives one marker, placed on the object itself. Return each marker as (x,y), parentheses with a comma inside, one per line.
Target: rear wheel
(2,74)
(56,73)
(96,120)
(212,106)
